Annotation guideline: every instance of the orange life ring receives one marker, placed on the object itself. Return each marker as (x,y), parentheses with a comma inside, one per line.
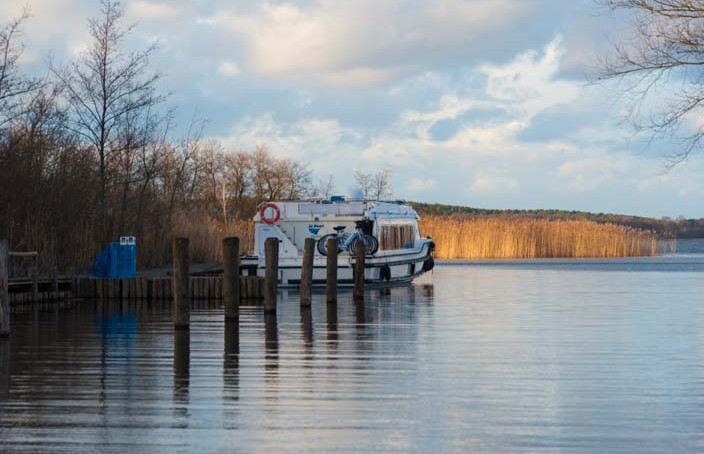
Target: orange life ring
(265,218)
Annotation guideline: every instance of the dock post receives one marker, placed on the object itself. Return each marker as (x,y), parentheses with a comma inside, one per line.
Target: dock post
(4,369)
(271,275)
(35,282)
(4,292)
(331,282)
(55,282)
(231,277)
(358,294)
(232,339)
(182,364)
(182,303)
(307,272)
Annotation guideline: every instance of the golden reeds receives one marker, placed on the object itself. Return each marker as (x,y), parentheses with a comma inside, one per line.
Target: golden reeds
(497,237)
(206,236)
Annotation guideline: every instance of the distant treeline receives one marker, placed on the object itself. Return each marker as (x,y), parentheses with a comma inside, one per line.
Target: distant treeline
(663,227)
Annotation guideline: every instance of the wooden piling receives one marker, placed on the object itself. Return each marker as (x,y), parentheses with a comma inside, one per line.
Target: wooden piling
(182,305)
(231,277)
(4,369)
(307,327)
(4,290)
(271,274)
(331,283)
(358,293)
(232,337)
(182,363)
(55,282)
(306,288)
(35,282)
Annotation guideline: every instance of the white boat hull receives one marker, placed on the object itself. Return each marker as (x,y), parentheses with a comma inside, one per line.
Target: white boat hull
(402,253)
(379,271)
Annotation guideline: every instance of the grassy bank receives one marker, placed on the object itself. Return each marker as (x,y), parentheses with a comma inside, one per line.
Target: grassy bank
(496,237)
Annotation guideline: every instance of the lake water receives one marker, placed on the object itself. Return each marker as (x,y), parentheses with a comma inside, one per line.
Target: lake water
(505,356)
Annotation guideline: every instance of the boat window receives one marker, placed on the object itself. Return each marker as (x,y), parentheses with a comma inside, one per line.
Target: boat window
(396,236)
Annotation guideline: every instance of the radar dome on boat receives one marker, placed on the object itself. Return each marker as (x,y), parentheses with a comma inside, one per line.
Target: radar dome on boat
(355,193)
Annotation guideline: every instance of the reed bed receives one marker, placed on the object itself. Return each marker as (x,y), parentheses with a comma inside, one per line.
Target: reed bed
(206,236)
(496,237)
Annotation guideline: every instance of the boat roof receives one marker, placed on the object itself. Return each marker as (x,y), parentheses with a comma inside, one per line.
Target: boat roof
(340,208)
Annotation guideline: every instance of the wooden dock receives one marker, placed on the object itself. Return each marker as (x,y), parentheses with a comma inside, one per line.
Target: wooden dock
(140,288)
(137,289)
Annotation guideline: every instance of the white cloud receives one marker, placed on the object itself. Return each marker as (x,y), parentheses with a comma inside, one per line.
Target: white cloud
(421,184)
(319,143)
(229,68)
(484,162)
(530,80)
(46,28)
(141,9)
(359,77)
(474,151)
(591,173)
(488,184)
(365,42)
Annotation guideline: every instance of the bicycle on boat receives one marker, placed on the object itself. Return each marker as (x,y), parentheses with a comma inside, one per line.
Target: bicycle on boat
(347,241)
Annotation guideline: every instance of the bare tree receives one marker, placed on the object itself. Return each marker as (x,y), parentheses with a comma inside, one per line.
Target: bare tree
(12,85)
(322,189)
(375,186)
(382,184)
(365,181)
(239,165)
(665,49)
(106,86)
(216,183)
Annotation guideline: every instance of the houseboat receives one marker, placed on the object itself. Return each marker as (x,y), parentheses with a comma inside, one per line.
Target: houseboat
(395,252)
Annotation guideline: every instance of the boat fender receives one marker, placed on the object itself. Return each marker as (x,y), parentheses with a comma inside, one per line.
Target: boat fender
(428,264)
(385,273)
(269,219)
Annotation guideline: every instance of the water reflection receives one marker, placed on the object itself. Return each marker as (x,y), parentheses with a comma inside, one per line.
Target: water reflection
(331,319)
(485,359)
(182,364)
(307,327)
(231,392)
(271,341)
(4,367)
(428,290)
(232,339)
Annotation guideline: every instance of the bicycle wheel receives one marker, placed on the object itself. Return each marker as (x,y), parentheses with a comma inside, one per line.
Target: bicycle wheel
(371,244)
(322,245)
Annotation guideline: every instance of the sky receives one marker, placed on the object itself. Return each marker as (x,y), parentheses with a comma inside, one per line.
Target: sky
(482,103)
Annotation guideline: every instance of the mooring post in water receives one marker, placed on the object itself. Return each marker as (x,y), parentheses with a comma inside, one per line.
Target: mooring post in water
(231,277)
(331,282)
(271,274)
(358,294)
(182,303)
(307,272)
(232,337)
(4,369)
(182,364)
(4,297)
(35,282)
(55,282)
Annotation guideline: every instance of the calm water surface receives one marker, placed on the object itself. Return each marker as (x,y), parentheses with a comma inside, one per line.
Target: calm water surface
(529,356)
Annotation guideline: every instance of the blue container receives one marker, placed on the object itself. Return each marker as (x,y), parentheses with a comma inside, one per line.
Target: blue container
(127,262)
(119,260)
